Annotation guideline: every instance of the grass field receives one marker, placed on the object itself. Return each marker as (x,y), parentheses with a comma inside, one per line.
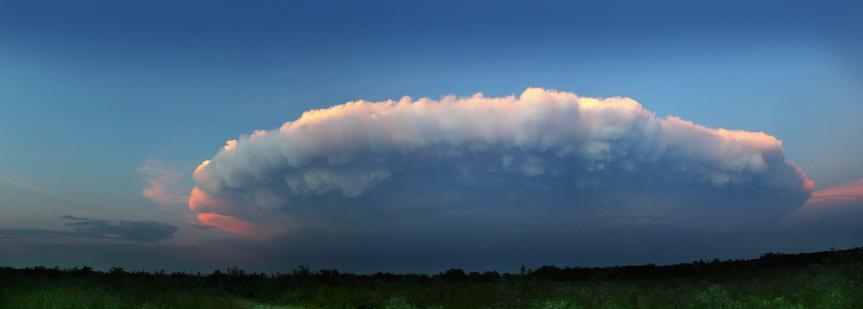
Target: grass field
(831,279)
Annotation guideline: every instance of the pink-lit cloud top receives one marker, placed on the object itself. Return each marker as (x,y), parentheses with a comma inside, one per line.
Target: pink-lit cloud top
(573,157)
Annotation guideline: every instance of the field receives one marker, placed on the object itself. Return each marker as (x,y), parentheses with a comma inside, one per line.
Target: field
(832,279)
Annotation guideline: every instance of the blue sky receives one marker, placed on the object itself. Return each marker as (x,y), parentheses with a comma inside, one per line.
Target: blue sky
(92,90)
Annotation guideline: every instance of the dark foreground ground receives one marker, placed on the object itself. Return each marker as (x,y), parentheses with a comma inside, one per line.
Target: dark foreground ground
(832,279)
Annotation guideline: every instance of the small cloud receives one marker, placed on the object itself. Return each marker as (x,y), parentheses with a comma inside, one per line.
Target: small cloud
(165,183)
(143,231)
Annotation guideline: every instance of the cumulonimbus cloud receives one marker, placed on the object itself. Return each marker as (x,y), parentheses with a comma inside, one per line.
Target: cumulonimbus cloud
(543,160)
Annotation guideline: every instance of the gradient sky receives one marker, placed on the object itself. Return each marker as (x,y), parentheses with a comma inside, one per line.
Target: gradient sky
(98,98)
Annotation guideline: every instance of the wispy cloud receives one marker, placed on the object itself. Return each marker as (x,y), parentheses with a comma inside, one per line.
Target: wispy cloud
(165,183)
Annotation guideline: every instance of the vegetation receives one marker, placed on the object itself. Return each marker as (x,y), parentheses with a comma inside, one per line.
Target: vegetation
(832,279)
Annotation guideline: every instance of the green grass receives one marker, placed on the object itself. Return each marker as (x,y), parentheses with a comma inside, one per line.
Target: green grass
(821,283)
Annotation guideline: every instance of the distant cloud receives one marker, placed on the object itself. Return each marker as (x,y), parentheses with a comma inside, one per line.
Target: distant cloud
(851,192)
(832,216)
(165,183)
(144,231)
(459,171)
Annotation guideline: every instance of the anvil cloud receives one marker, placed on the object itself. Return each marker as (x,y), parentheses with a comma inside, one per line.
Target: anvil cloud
(543,162)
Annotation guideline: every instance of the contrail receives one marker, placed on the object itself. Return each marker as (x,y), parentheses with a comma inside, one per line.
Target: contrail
(13,181)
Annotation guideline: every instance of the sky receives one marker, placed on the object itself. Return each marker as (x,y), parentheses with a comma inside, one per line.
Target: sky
(481,135)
